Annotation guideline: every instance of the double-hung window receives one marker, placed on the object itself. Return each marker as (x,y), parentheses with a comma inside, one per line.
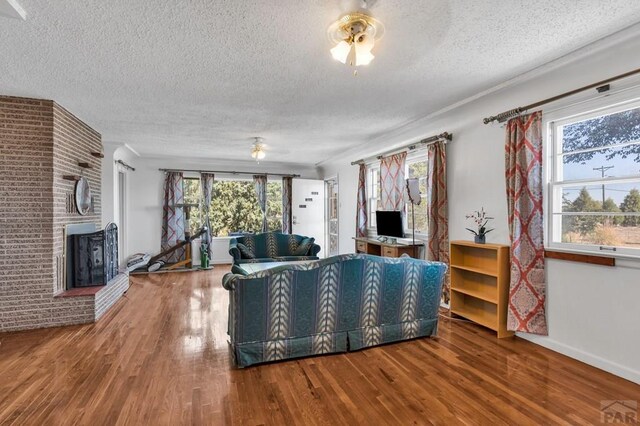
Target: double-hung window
(594,181)
(415,167)
(373,193)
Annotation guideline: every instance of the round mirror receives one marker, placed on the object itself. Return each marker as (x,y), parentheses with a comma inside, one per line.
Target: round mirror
(83,196)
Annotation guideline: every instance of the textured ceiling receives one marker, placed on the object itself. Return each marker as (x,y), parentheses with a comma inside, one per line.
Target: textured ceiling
(201,77)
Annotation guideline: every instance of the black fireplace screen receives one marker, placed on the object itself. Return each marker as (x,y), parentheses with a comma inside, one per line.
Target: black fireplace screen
(95,257)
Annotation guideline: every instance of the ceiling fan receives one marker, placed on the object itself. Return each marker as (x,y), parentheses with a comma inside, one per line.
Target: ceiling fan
(259,149)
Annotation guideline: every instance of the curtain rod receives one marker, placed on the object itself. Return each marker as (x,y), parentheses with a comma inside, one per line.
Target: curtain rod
(230,172)
(125,165)
(446,136)
(503,116)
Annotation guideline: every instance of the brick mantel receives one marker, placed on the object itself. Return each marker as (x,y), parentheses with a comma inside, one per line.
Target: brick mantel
(40,142)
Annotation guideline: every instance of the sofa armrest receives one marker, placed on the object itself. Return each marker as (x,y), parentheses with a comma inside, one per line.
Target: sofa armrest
(234,251)
(229,281)
(314,250)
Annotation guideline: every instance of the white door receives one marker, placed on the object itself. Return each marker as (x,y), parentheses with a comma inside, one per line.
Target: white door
(307,208)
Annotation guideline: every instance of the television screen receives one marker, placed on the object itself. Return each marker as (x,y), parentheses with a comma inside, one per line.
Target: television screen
(389,224)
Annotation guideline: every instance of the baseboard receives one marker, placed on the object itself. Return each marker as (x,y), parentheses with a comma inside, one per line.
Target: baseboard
(587,358)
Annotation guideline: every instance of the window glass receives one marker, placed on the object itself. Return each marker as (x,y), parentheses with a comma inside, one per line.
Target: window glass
(234,207)
(595,182)
(418,170)
(193,221)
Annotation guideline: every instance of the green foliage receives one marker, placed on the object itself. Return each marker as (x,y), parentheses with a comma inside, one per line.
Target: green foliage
(419,170)
(602,132)
(234,206)
(611,207)
(192,195)
(583,203)
(631,203)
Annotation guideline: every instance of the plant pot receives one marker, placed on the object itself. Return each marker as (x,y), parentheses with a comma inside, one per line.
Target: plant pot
(480,239)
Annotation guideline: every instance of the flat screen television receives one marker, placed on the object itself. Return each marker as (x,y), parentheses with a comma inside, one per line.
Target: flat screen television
(389,224)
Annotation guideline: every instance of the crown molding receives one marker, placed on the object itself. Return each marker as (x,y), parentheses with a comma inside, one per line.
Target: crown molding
(381,141)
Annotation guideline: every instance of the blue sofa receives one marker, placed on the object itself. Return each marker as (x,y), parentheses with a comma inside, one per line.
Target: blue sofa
(272,247)
(343,303)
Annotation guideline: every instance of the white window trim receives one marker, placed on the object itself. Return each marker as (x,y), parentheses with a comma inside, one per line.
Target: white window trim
(373,165)
(627,96)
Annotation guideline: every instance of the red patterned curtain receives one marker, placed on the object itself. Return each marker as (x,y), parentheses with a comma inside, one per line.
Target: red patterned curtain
(287,185)
(523,172)
(392,182)
(438,205)
(361,215)
(173,216)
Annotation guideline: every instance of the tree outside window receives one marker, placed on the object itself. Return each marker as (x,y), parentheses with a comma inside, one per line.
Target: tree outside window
(418,170)
(234,206)
(596,180)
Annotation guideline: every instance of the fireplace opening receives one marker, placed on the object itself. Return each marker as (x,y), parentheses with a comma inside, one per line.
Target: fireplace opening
(91,256)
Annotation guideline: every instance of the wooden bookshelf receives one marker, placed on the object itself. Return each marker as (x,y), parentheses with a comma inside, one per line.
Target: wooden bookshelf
(480,284)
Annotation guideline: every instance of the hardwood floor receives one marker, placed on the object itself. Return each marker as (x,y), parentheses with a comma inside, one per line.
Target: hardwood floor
(160,356)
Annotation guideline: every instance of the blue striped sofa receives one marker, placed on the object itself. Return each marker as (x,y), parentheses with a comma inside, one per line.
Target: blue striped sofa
(343,303)
(271,247)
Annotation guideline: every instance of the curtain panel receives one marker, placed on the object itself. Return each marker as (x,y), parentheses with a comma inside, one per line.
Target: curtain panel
(260,182)
(206,183)
(173,216)
(362,213)
(438,209)
(523,173)
(392,182)
(287,223)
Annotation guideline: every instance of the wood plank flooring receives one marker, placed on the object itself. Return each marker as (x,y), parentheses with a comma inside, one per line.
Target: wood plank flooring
(160,357)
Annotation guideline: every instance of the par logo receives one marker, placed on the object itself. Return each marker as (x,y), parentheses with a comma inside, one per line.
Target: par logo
(619,411)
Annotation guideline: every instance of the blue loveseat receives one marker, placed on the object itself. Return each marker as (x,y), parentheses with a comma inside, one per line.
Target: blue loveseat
(272,247)
(343,303)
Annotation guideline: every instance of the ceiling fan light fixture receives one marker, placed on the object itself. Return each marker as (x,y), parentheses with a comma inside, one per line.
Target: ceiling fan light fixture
(363,51)
(341,51)
(257,151)
(353,37)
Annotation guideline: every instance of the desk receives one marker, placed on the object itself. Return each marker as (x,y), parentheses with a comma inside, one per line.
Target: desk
(378,248)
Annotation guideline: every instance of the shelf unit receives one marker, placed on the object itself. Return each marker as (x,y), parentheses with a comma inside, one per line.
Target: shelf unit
(480,284)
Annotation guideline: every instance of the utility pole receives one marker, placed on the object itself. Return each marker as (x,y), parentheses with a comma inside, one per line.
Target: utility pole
(602,170)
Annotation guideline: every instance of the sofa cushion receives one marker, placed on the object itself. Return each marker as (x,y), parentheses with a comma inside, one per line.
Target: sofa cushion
(247,253)
(304,246)
(294,258)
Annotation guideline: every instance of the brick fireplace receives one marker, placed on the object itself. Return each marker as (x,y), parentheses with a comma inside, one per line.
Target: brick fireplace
(41,143)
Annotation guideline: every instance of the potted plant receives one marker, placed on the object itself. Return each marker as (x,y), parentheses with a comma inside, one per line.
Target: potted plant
(481,220)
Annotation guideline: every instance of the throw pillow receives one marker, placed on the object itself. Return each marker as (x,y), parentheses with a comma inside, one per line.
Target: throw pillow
(304,246)
(247,253)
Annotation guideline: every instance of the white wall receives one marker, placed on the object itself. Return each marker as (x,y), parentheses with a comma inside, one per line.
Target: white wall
(113,152)
(592,311)
(146,183)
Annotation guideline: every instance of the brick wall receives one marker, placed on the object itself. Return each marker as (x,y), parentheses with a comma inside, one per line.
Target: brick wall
(73,142)
(39,143)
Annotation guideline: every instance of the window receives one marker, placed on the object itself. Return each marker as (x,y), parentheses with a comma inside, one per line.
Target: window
(191,187)
(274,205)
(594,181)
(373,191)
(415,167)
(235,207)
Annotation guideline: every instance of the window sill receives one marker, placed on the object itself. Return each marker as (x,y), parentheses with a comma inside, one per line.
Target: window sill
(580,257)
(613,255)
